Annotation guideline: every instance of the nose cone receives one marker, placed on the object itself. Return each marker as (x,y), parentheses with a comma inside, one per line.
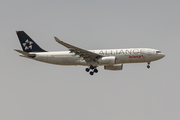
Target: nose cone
(163,55)
(159,55)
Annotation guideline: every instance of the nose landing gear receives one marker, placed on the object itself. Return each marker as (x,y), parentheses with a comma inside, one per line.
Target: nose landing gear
(148,66)
(91,70)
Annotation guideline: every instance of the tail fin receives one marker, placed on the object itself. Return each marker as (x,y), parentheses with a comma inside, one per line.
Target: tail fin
(27,44)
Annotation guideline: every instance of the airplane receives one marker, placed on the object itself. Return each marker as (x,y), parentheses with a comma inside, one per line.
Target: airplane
(111,59)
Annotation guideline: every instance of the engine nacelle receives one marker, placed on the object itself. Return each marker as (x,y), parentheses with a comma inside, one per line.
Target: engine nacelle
(110,60)
(114,67)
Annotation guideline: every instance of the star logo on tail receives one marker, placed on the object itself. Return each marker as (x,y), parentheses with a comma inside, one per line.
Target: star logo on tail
(28,44)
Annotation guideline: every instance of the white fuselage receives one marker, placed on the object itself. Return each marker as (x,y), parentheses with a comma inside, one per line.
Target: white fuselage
(133,55)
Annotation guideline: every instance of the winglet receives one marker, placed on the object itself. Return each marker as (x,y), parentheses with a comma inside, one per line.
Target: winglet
(61,42)
(57,40)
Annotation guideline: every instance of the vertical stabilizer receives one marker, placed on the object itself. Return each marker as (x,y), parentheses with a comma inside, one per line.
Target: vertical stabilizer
(27,44)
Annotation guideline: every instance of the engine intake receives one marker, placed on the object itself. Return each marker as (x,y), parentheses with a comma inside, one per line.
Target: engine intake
(114,67)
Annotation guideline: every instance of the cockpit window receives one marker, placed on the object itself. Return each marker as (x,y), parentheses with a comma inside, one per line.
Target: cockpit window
(158,51)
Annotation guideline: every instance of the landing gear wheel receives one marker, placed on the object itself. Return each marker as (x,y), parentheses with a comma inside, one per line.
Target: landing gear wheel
(87,69)
(95,70)
(148,66)
(91,67)
(91,73)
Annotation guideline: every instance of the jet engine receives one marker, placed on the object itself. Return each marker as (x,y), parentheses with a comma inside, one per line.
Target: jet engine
(110,60)
(114,67)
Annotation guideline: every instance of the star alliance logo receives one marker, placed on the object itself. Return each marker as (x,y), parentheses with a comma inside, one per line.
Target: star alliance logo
(28,44)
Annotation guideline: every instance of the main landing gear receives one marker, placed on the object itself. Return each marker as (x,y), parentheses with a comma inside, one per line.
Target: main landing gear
(92,70)
(148,66)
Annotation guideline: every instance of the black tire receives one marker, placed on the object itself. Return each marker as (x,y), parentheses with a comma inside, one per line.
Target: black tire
(91,73)
(91,67)
(95,70)
(87,69)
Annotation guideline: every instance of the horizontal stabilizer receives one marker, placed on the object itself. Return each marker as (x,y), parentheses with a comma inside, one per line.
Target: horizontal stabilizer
(26,54)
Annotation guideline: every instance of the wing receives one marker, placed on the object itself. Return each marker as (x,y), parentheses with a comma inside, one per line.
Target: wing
(87,55)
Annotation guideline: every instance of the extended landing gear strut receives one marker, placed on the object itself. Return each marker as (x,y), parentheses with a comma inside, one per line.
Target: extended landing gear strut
(92,70)
(148,66)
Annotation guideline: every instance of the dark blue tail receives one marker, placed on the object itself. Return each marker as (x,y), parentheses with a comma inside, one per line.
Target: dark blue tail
(27,44)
